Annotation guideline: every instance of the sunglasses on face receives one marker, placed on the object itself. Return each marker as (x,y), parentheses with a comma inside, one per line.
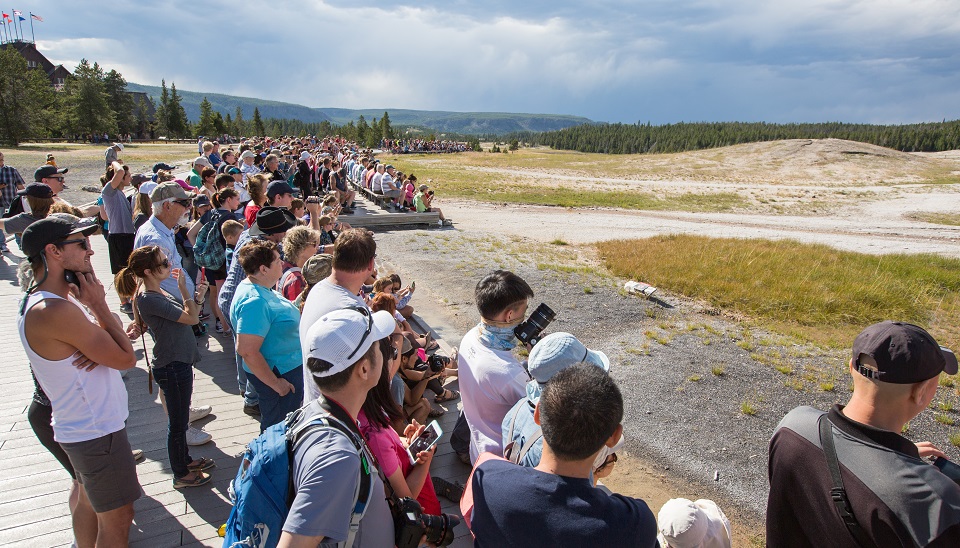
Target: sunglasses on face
(165,263)
(82,242)
(184,203)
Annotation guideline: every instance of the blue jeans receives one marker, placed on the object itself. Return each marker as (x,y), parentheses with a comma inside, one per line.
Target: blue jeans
(274,408)
(247,390)
(176,381)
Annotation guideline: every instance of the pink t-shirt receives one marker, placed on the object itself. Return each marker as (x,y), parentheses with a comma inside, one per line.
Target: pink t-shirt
(409,189)
(390,453)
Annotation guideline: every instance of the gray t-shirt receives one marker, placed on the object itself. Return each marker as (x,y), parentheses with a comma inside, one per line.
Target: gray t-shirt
(326,471)
(325,297)
(118,209)
(18,223)
(173,341)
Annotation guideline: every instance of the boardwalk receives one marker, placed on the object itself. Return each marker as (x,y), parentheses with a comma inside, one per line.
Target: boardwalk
(34,488)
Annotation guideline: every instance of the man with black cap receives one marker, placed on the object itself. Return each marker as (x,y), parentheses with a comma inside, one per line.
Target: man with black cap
(847,477)
(89,404)
(272,224)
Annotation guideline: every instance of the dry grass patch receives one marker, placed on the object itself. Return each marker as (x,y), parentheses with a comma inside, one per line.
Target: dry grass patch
(951,219)
(812,292)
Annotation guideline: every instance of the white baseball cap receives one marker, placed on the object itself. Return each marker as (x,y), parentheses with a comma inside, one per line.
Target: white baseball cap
(343,336)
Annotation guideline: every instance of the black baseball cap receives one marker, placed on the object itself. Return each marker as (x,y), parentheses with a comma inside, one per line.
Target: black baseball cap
(47,171)
(52,230)
(904,354)
(276,188)
(37,190)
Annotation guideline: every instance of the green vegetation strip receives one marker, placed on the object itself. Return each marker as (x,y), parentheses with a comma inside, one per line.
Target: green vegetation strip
(951,219)
(812,292)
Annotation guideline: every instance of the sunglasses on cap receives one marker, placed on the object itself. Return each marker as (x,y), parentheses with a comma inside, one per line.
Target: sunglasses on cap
(366,333)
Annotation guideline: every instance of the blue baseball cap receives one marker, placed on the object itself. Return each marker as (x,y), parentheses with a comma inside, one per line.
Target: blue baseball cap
(553,354)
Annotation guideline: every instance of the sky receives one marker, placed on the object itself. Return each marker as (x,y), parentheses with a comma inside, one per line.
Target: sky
(658,61)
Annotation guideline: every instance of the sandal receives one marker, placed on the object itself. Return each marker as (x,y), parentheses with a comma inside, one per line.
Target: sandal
(202,464)
(199,479)
(435,413)
(448,490)
(453,396)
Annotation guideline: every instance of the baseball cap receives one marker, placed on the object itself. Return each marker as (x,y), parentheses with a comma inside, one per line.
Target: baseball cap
(47,171)
(553,354)
(276,188)
(170,190)
(37,190)
(147,188)
(201,161)
(317,268)
(247,154)
(272,220)
(160,165)
(232,170)
(343,336)
(687,524)
(139,178)
(52,230)
(201,200)
(904,354)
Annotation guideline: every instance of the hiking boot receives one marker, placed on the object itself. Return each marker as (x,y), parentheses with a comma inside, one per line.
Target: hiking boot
(197,413)
(252,410)
(195,436)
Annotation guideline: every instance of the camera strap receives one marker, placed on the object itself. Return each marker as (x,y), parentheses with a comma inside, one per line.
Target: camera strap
(838,493)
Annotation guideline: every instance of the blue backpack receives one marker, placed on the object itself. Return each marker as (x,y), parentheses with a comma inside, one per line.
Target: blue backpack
(263,490)
(208,250)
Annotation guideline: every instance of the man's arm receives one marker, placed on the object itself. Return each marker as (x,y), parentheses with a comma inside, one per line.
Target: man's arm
(118,174)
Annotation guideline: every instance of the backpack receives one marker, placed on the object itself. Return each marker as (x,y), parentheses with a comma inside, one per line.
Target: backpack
(209,251)
(514,452)
(263,489)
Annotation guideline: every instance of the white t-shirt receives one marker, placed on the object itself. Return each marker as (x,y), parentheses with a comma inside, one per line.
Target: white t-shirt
(491,382)
(325,297)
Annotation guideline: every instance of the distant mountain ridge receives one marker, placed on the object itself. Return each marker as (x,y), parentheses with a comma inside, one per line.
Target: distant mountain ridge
(470,123)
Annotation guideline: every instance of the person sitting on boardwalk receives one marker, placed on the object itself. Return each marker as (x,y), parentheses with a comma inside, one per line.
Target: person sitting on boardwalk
(89,404)
(555,504)
(423,201)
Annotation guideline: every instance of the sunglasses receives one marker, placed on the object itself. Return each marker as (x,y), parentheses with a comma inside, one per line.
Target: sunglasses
(184,203)
(165,263)
(82,242)
(366,333)
(57,178)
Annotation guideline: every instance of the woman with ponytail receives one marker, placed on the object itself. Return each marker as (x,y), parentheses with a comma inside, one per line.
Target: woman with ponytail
(225,202)
(174,350)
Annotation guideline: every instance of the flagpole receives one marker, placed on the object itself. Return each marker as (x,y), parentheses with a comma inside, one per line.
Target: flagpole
(32,36)
(14,23)
(20,17)
(5,39)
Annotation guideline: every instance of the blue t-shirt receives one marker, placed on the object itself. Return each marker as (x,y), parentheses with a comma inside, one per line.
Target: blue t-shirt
(263,312)
(522,507)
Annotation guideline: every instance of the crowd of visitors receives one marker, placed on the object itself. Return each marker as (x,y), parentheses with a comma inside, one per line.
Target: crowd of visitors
(251,237)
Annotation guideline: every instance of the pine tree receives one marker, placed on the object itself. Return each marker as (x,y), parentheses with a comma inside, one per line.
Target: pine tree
(362,130)
(239,124)
(142,119)
(176,116)
(385,129)
(205,125)
(120,100)
(161,115)
(88,106)
(258,128)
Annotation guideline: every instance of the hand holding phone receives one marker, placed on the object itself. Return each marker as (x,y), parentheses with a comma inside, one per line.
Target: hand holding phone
(424,441)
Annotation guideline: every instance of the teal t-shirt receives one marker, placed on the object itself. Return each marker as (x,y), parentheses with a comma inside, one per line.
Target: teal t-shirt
(263,312)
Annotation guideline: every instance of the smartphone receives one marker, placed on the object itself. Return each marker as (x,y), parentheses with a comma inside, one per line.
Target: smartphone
(951,469)
(71,277)
(427,439)
(203,273)
(413,285)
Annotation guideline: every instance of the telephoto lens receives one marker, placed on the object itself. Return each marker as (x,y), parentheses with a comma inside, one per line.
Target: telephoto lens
(529,332)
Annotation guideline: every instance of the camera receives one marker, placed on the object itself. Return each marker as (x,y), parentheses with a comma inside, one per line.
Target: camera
(530,330)
(437,363)
(430,192)
(410,524)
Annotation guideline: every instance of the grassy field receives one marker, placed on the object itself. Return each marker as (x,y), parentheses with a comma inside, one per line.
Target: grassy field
(812,292)
(27,157)
(950,219)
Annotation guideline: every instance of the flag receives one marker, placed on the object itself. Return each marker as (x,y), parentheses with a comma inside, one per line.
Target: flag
(37,17)
(17,13)
(6,16)
(22,18)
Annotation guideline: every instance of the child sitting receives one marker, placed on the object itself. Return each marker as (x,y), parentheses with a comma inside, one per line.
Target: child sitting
(327,236)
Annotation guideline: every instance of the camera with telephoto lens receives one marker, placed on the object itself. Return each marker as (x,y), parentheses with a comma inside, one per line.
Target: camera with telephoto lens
(437,363)
(410,524)
(529,331)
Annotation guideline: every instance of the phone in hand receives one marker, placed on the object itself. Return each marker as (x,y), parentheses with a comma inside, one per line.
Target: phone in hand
(413,285)
(71,277)
(951,469)
(427,439)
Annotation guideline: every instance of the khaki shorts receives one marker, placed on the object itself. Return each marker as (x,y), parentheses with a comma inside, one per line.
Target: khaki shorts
(106,469)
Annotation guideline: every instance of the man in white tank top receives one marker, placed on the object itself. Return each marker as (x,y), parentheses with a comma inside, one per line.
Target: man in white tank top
(58,319)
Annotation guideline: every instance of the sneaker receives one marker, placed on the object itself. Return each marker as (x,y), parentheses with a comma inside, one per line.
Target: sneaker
(219,327)
(464,458)
(195,436)
(126,308)
(439,224)
(138,455)
(252,410)
(204,316)
(197,413)
(448,222)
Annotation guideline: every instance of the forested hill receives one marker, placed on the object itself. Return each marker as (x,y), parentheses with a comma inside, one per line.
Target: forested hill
(646,138)
(464,123)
